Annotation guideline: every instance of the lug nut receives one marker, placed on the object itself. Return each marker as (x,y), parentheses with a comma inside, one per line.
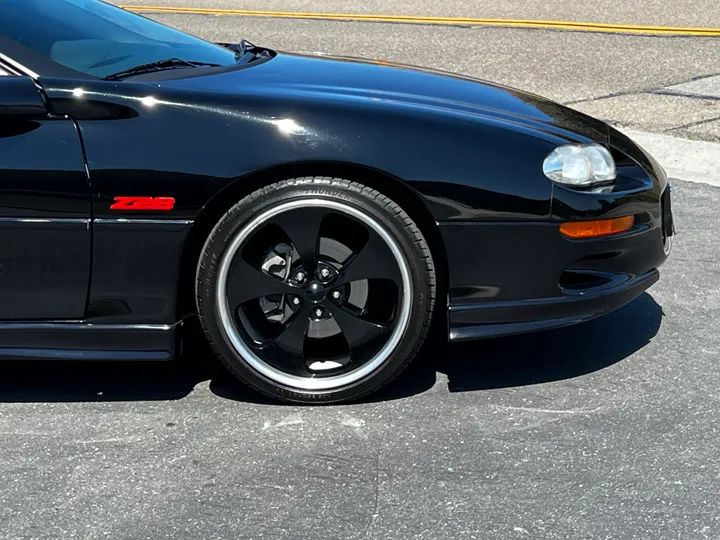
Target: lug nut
(300,276)
(296,300)
(336,295)
(324,273)
(319,312)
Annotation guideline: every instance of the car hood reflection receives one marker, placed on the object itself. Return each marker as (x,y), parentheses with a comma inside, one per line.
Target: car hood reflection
(317,76)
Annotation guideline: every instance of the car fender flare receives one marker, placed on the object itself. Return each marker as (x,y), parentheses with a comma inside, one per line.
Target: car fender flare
(395,188)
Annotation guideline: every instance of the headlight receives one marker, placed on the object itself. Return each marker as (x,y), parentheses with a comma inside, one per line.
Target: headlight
(580,165)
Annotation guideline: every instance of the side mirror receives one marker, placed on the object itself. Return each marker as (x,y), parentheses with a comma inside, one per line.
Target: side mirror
(20,97)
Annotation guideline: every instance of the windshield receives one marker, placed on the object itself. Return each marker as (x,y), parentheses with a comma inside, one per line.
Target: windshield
(100,39)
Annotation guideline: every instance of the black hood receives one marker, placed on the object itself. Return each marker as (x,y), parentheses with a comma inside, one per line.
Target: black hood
(303,75)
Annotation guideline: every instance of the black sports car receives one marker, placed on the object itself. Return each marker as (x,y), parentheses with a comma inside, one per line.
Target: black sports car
(316,213)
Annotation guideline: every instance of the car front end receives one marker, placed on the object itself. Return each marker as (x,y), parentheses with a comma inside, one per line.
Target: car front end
(600,248)
(526,249)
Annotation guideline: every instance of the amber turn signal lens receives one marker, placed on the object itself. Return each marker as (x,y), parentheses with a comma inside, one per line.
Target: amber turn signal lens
(593,229)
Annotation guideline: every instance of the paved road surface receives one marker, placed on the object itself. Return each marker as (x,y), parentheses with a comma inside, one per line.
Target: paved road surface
(605,430)
(688,13)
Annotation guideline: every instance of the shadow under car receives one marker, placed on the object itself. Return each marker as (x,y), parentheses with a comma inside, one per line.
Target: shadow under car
(493,363)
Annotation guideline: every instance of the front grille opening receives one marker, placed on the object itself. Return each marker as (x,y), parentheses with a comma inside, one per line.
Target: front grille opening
(604,256)
(578,280)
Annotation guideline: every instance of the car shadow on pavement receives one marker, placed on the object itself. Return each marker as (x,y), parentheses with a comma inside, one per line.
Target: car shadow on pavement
(540,357)
(71,381)
(494,363)
(516,360)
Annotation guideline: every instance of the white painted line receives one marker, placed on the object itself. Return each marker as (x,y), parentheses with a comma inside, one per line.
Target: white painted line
(685,159)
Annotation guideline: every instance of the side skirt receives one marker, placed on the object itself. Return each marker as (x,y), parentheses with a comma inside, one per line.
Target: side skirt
(63,340)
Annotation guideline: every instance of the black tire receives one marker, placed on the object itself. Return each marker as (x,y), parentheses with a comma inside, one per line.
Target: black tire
(218,258)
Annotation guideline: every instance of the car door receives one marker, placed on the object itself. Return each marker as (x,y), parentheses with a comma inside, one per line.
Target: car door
(45,237)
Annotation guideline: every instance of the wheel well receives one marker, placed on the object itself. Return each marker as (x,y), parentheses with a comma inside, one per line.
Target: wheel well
(387,184)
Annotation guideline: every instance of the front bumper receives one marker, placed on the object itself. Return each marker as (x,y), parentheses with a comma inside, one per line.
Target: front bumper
(516,277)
(477,321)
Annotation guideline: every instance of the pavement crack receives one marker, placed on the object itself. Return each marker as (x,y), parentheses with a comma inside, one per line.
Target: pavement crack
(673,93)
(606,96)
(657,90)
(376,504)
(693,124)
(700,78)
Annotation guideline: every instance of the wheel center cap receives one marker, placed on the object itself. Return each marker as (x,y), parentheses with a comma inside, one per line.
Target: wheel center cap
(315,292)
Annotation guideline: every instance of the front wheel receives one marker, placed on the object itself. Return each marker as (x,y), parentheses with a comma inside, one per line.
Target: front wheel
(316,290)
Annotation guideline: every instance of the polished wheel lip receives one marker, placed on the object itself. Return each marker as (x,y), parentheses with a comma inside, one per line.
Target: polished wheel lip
(310,383)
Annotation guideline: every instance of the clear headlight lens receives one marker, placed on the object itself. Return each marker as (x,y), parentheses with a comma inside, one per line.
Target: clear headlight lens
(580,165)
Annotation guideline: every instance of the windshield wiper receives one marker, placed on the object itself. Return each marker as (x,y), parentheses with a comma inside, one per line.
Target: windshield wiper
(247,52)
(245,47)
(160,65)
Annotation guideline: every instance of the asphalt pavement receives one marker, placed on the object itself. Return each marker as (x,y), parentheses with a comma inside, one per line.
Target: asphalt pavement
(608,429)
(687,13)
(604,430)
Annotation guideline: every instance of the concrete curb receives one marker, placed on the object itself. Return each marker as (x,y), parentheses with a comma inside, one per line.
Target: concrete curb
(693,161)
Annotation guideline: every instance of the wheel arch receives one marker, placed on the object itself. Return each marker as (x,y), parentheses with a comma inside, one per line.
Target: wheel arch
(385,183)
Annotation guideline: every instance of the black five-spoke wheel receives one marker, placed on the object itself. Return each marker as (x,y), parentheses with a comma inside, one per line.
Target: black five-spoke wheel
(309,290)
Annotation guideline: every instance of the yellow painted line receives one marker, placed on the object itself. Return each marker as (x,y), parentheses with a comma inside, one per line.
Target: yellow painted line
(511,23)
